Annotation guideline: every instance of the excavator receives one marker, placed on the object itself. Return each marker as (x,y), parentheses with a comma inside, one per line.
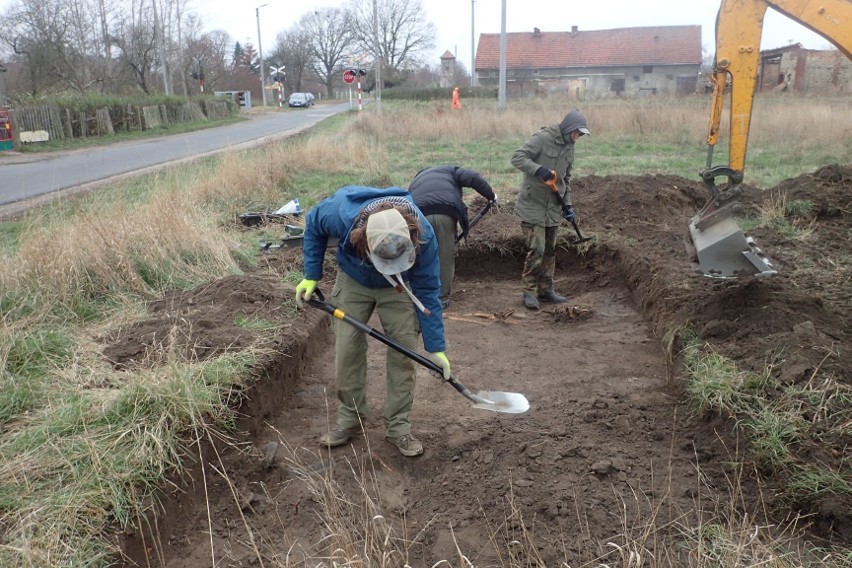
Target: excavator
(722,248)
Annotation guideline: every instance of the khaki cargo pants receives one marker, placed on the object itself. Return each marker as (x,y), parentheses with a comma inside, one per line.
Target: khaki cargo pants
(399,321)
(445,232)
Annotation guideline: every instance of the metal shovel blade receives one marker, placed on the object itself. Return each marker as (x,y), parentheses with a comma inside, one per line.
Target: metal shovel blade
(497,401)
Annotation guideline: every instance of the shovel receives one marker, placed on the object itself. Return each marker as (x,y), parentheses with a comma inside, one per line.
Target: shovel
(496,401)
(580,238)
(476,218)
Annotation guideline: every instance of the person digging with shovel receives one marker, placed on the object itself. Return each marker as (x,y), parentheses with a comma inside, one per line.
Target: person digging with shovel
(387,257)
(437,192)
(547,154)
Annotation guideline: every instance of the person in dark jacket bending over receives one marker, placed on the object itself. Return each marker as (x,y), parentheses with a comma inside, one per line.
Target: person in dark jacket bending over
(437,192)
(384,242)
(547,156)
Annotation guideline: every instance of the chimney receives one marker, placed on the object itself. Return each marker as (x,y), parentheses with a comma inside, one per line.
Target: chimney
(536,32)
(573,30)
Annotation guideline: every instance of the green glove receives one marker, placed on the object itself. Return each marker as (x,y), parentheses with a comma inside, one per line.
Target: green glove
(304,290)
(440,358)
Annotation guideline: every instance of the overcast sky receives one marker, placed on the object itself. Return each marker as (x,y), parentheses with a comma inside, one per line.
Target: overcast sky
(452,19)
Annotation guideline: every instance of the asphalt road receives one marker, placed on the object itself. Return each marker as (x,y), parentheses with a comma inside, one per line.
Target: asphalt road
(26,179)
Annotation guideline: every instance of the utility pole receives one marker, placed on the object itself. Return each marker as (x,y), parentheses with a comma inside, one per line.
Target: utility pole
(260,54)
(472,60)
(2,87)
(378,59)
(501,90)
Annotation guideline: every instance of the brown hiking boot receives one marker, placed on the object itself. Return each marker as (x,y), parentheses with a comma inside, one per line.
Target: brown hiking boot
(407,445)
(338,436)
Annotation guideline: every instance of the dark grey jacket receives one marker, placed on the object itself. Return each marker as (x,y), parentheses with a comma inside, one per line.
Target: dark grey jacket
(438,190)
(536,203)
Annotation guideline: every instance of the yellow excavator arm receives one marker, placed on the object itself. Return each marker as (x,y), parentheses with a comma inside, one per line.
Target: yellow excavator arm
(722,248)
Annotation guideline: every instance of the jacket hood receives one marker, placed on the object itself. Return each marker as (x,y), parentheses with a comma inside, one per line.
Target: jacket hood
(574,120)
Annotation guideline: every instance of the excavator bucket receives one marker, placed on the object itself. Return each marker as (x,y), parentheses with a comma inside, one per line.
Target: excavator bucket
(725,251)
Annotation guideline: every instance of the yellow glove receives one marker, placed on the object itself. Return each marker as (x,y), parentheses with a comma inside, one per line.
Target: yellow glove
(440,358)
(304,290)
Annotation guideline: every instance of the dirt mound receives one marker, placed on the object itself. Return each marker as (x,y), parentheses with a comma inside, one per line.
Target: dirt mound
(607,438)
(211,320)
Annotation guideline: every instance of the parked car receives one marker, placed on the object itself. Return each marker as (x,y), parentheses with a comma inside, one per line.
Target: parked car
(299,100)
(311,98)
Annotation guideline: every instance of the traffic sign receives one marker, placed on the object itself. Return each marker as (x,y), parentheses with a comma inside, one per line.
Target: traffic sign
(348,76)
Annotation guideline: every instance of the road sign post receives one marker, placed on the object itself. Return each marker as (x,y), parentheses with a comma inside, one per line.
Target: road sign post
(348,78)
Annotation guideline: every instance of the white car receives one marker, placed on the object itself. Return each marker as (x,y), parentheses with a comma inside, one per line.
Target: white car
(300,100)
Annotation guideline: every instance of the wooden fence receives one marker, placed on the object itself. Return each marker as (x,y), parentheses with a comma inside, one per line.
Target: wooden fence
(52,122)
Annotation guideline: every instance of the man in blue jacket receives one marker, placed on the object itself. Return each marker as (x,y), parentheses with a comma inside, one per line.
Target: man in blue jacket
(384,242)
(437,192)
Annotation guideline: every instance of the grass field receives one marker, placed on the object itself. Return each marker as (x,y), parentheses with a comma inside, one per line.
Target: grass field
(84,446)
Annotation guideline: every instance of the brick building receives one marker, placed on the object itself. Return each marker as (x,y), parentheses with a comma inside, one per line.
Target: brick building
(793,68)
(626,62)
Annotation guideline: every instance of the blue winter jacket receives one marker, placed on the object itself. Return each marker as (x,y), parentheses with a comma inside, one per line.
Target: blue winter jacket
(334,216)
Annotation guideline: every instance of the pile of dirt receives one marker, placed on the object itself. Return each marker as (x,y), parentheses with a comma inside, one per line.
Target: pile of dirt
(607,438)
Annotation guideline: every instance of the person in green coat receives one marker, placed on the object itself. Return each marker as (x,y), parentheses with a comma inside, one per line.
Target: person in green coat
(548,154)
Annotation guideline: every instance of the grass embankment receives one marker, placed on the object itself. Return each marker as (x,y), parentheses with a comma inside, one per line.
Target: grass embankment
(84,445)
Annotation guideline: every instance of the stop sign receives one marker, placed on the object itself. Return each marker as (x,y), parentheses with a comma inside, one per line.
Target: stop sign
(348,76)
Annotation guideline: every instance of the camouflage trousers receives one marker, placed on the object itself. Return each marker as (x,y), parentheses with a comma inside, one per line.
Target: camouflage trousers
(540,263)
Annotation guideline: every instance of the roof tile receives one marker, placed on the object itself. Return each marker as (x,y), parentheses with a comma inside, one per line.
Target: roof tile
(660,45)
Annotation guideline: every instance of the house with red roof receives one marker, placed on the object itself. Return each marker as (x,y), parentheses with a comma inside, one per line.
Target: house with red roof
(625,62)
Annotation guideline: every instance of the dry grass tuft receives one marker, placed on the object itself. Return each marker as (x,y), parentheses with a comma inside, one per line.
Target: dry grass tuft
(131,250)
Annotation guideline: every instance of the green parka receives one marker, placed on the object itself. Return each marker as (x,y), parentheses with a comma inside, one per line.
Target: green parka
(536,203)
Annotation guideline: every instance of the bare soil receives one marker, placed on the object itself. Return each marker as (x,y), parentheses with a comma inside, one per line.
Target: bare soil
(608,446)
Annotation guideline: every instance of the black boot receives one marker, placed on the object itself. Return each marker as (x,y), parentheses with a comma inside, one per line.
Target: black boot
(530,301)
(551,297)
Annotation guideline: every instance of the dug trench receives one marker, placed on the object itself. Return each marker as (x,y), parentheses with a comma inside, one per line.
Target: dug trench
(607,453)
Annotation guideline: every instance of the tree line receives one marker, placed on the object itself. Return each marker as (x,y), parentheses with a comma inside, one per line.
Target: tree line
(131,47)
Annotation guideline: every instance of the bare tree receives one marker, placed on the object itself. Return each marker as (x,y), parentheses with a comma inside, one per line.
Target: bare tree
(460,75)
(31,60)
(55,41)
(292,49)
(136,38)
(425,76)
(193,53)
(216,47)
(405,35)
(329,32)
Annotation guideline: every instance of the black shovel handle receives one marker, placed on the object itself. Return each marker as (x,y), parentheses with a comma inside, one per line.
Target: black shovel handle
(580,237)
(317,300)
(476,219)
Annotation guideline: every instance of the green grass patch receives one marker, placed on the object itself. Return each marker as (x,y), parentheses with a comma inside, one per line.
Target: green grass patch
(125,136)
(256,323)
(809,483)
(105,451)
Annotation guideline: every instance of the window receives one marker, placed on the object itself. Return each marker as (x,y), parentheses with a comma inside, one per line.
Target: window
(648,69)
(617,85)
